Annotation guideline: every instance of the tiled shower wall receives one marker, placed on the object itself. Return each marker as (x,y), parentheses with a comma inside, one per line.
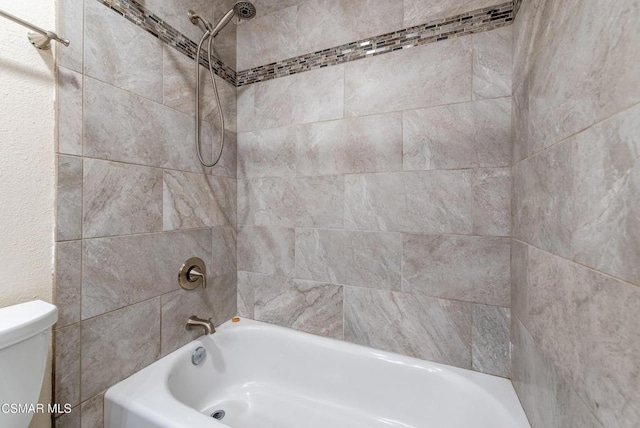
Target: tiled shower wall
(133,202)
(576,213)
(287,28)
(374,196)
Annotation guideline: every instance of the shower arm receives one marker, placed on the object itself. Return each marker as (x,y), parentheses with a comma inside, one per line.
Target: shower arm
(39,38)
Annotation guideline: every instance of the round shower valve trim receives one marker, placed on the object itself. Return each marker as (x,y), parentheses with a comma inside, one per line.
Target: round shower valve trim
(193,274)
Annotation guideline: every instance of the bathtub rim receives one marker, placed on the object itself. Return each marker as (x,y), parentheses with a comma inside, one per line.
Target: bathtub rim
(500,389)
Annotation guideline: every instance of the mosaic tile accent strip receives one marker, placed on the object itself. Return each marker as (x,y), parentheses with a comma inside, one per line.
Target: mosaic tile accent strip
(434,31)
(147,20)
(461,25)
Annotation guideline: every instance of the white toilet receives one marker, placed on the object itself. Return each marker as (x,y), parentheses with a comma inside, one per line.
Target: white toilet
(24,345)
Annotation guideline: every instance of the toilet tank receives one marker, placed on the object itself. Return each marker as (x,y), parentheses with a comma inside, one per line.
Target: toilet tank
(24,345)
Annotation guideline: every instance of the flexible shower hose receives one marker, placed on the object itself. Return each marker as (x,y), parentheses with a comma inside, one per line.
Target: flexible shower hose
(206,35)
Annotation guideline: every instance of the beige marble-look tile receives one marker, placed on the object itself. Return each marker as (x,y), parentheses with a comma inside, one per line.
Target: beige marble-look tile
(68,420)
(69,112)
(267,153)
(92,412)
(121,53)
(197,200)
(577,79)
(110,279)
(466,135)
(422,327)
(120,199)
(606,180)
(227,165)
(289,202)
(226,42)
(468,268)
(546,18)
(421,11)
(519,123)
(224,251)
(519,280)
(217,301)
(312,96)
(68,282)
(137,130)
(547,399)
(267,250)
(267,202)
(302,305)
(525,25)
(247,283)
(585,323)
(129,132)
(117,344)
(541,204)
(422,202)
(490,340)
(67,365)
(265,7)
(344,22)
(491,194)
(70,24)
(364,144)
(246,104)
(268,38)
(179,89)
(492,63)
(365,259)
(320,201)
(69,198)
(429,75)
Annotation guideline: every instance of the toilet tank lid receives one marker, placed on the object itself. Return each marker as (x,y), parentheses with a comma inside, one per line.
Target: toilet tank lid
(20,322)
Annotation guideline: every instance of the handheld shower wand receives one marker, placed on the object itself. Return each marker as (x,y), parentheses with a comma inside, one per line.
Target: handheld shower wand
(243,10)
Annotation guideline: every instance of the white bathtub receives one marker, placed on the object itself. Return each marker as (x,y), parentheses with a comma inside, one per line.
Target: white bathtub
(265,376)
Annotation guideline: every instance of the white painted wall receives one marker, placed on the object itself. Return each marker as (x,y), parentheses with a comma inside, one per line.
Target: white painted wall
(27,162)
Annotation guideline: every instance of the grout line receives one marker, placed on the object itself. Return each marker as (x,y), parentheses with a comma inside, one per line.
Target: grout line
(150,166)
(383,290)
(147,233)
(82,201)
(297,176)
(145,98)
(565,139)
(609,276)
(327,229)
(382,113)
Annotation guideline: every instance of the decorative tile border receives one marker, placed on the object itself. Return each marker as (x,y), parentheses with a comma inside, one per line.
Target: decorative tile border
(434,31)
(461,25)
(154,25)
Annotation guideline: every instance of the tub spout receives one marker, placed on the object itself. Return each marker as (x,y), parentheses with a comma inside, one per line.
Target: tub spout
(195,322)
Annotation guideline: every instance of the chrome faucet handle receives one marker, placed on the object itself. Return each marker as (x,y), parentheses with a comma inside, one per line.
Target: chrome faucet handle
(193,274)
(195,322)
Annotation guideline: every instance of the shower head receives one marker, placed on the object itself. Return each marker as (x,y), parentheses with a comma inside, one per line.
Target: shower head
(242,9)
